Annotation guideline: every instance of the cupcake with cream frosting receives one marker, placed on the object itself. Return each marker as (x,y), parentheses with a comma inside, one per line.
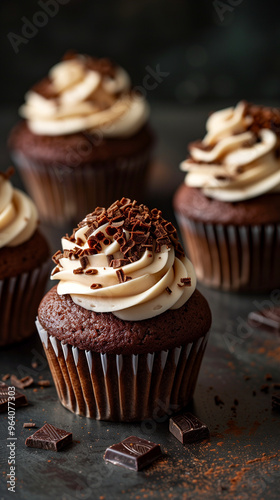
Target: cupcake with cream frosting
(228,208)
(125,329)
(24,263)
(84,140)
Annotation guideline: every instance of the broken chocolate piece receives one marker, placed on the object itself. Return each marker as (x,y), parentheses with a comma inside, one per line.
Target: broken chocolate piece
(133,453)
(49,438)
(187,428)
(6,393)
(266,319)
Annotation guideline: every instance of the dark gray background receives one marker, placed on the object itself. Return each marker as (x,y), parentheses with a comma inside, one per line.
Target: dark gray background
(213,50)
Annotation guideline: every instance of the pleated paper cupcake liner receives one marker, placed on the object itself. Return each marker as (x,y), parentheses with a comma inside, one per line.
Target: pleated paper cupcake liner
(19,300)
(123,387)
(64,195)
(232,257)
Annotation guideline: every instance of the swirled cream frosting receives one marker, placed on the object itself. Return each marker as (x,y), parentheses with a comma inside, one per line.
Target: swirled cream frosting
(126,260)
(238,158)
(18,215)
(85,94)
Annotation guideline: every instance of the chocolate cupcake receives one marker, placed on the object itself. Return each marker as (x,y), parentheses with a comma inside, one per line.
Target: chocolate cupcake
(228,208)
(85,140)
(24,263)
(125,330)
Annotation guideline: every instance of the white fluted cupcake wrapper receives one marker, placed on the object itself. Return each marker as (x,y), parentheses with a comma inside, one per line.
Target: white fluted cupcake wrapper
(19,300)
(64,195)
(123,387)
(233,257)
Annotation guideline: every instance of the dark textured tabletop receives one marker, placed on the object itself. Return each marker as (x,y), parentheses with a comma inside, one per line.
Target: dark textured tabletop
(239,374)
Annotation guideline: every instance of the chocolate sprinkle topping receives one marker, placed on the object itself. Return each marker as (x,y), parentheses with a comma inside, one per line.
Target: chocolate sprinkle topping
(147,229)
(185,282)
(263,117)
(79,270)
(84,261)
(121,276)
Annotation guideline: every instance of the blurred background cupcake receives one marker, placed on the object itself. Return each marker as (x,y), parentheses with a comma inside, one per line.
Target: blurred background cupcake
(24,263)
(125,330)
(228,208)
(84,140)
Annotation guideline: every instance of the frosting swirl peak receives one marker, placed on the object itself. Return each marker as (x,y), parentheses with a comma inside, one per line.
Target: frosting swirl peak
(126,260)
(238,158)
(82,93)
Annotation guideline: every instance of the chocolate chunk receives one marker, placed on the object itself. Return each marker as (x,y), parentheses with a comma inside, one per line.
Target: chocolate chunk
(121,276)
(276,401)
(5,394)
(49,438)
(133,453)
(187,428)
(266,319)
(21,383)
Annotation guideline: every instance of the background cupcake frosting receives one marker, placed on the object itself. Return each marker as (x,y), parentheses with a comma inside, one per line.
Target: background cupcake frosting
(83,93)
(18,215)
(238,159)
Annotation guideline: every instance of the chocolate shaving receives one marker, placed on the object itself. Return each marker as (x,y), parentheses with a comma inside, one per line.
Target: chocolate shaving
(79,270)
(88,232)
(57,256)
(185,282)
(91,271)
(29,424)
(94,286)
(79,242)
(168,290)
(84,262)
(100,236)
(109,259)
(121,276)
(115,263)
